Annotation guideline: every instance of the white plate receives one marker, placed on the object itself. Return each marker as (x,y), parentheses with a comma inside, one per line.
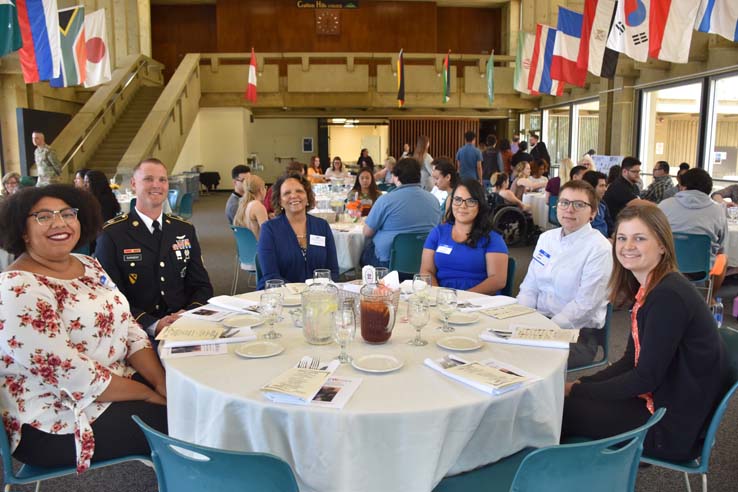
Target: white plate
(242,321)
(459,318)
(259,349)
(459,343)
(291,301)
(377,363)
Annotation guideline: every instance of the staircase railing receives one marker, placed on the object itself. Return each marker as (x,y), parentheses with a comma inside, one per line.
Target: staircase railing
(83,134)
(165,129)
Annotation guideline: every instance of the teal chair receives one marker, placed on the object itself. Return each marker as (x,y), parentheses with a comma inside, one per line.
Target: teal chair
(507,290)
(184,467)
(701,464)
(385,187)
(173,198)
(245,253)
(82,250)
(605,465)
(406,252)
(552,219)
(605,345)
(693,257)
(185,206)
(28,474)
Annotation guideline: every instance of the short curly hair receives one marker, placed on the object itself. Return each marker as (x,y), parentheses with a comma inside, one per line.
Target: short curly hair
(277,191)
(14,212)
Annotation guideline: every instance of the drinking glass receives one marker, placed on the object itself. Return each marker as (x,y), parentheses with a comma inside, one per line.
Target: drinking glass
(270,306)
(274,285)
(419,316)
(733,213)
(422,286)
(446,303)
(344,330)
(380,273)
(321,276)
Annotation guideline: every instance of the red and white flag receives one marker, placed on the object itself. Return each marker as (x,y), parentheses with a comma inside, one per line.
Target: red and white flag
(630,31)
(98,54)
(594,55)
(566,49)
(671,28)
(251,89)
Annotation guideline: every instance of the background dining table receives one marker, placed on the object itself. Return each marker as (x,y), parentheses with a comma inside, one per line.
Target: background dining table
(401,431)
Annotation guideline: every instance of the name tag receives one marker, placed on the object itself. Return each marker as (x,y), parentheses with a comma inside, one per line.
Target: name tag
(541,257)
(317,240)
(134,257)
(446,250)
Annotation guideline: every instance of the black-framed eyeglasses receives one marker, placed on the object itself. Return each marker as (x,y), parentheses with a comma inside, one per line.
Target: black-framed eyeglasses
(578,204)
(46,217)
(470,202)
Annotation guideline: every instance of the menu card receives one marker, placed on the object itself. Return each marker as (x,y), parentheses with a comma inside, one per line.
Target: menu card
(296,385)
(234,303)
(334,393)
(533,336)
(187,332)
(510,311)
(491,376)
(192,351)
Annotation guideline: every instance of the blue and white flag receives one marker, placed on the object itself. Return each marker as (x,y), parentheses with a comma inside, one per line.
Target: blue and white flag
(718,17)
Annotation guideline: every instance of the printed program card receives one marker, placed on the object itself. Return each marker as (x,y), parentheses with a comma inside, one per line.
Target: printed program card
(511,311)
(192,351)
(335,393)
(298,384)
(533,336)
(490,376)
(181,330)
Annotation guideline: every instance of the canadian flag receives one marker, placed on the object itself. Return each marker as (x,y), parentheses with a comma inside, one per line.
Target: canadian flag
(251,89)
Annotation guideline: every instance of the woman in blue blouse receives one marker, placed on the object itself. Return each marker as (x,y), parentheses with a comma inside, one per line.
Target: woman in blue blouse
(294,243)
(465,253)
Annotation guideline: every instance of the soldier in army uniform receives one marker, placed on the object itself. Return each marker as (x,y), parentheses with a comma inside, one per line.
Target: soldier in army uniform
(48,166)
(154,258)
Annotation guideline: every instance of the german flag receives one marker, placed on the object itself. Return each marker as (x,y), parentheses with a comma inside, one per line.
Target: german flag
(400,81)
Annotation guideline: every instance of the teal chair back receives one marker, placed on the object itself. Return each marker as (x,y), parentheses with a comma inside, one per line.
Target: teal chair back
(185,206)
(82,250)
(245,253)
(605,465)
(701,465)
(173,197)
(605,341)
(693,254)
(406,252)
(507,290)
(552,219)
(385,187)
(27,474)
(210,469)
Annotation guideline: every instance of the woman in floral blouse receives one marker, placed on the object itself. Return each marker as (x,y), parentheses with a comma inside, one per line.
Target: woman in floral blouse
(75,364)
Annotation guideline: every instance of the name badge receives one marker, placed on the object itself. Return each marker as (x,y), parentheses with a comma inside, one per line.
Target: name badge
(134,257)
(446,250)
(317,240)
(542,257)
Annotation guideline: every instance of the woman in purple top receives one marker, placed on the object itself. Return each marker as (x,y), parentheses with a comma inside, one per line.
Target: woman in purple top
(465,253)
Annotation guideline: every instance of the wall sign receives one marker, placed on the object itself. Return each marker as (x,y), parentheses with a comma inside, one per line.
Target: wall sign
(327,4)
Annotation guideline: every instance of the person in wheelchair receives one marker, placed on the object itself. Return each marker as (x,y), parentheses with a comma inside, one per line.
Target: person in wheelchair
(509,216)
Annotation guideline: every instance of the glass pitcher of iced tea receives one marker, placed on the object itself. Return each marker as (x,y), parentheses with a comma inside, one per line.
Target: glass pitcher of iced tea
(377,308)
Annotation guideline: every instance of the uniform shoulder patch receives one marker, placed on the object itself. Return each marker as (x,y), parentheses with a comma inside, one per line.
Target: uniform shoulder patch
(177,217)
(116,220)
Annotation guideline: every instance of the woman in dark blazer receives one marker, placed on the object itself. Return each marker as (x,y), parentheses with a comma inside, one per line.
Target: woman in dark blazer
(675,357)
(294,243)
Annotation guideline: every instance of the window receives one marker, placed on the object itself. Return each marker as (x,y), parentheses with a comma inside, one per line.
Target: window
(585,131)
(721,149)
(556,132)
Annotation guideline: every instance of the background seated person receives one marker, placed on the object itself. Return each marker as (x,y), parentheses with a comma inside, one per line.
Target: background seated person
(314,172)
(675,357)
(384,175)
(720,196)
(624,190)
(294,243)
(465,253)
(251,212)
(365,190)
(409,208)
(76,365)
(554,184)
(336,170)
(602,221)
(446,179)
(500,183)
(522,183)
(567,277)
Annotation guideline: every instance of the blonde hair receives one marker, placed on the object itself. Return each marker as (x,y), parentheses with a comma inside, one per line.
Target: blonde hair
(565,167)
(251,186)
(520,169)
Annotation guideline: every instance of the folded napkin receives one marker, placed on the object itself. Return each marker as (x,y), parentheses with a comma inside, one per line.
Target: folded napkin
(485,302)
(234,303)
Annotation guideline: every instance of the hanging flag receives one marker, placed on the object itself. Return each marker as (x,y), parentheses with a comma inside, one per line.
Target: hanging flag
(251,88)
(594,55)
(671,28)
(718,17)
(539,78)
(400,80)
(446,79)
(491,78)
(10,34)
(98,55)
(40,55)
(630,30)
(526,41)
(566,49)
(73,49)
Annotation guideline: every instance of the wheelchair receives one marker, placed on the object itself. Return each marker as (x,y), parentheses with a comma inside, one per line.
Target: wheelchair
(514,225)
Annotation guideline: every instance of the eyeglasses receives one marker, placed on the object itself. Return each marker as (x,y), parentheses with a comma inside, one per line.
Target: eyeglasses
(240,180)
(470,202)
(46,217)
(578,204)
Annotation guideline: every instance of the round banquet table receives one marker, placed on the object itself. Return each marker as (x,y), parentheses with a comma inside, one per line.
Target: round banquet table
(730,245)
(400,431)
(538,208)
(349,239)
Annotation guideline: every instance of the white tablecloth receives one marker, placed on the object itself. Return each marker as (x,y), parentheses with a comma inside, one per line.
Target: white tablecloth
(349,240)
(401,431)
(730,246)
(538,207)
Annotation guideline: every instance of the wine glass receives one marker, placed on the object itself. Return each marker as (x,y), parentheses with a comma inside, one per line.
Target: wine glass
(422,286)
(733,214)
(270,306)
(344,330)
(446,303)
(419,316)
(321,276)
(276,286)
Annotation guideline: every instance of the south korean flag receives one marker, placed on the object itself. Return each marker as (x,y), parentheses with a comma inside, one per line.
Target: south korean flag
(629,33)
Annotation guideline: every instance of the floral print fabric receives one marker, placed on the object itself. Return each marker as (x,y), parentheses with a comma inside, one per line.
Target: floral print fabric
(60,340)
